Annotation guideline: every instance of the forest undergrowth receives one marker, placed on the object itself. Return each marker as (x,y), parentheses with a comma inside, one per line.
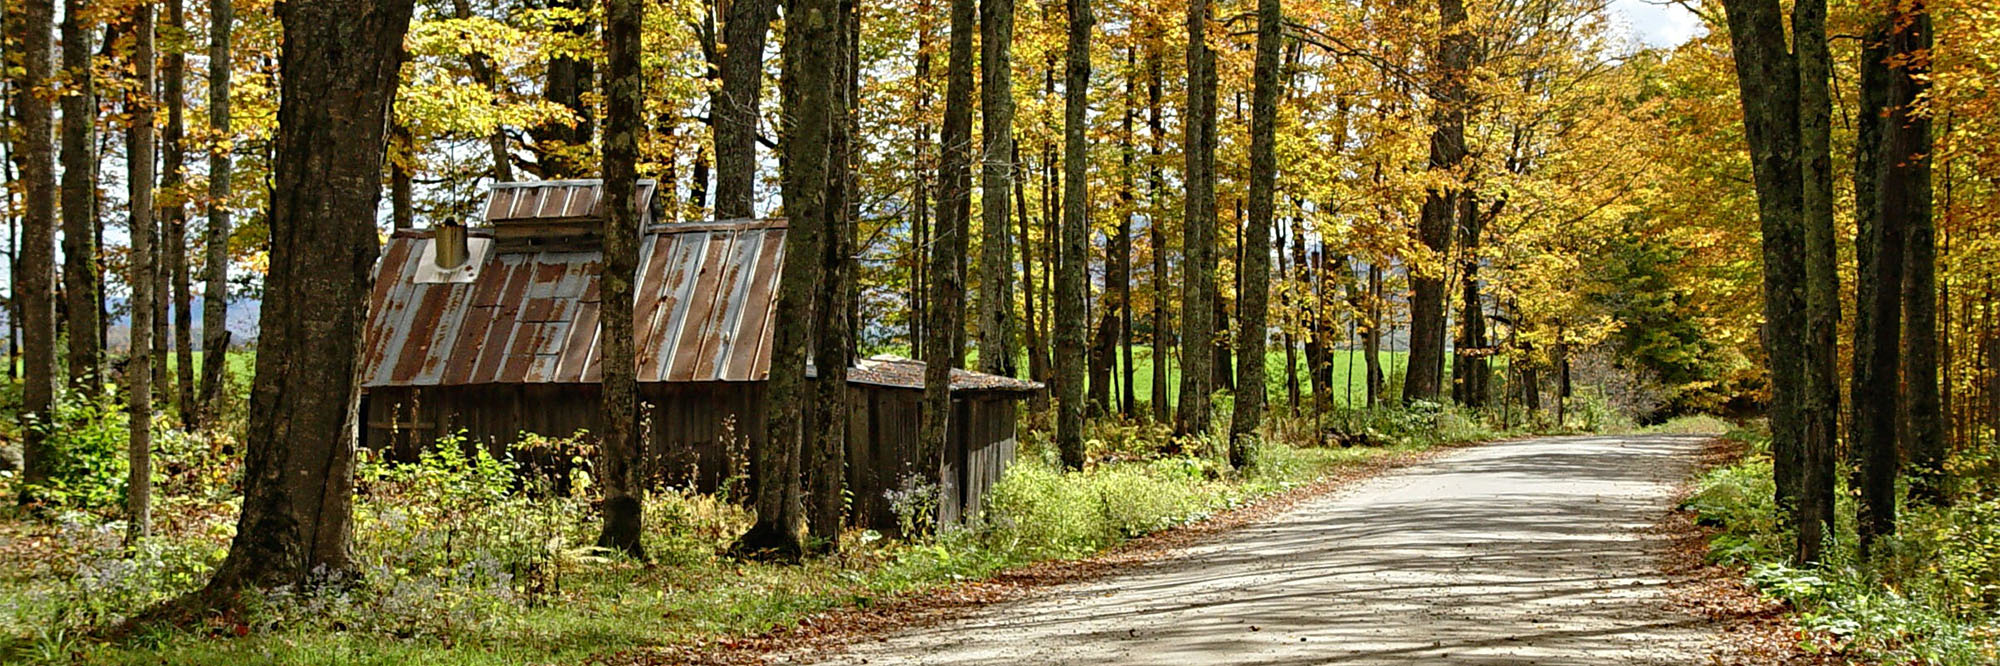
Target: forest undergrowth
(467,557)
(1930,596)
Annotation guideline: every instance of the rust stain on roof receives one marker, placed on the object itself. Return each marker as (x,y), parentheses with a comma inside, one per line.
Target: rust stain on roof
(703,309)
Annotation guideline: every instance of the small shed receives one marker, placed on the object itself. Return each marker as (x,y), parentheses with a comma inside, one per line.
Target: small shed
(493,331)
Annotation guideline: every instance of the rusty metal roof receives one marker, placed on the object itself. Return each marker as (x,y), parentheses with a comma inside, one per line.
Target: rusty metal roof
(554,200)
(704,304)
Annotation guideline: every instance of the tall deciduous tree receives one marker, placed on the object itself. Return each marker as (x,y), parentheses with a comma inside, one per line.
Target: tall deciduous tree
(1892,172)
(338,72)
(215,281)
(139,183)
(173,179)
(945,327)
(1156,230)
(1775,92)
(733,109)
(833,324)
(1252,307)
(619,444)
(810,27)
(34,271)
(79,199)
(1923,403)
(996,105)
(1198,229)
(561,146)
(1074,245)
(1434,226)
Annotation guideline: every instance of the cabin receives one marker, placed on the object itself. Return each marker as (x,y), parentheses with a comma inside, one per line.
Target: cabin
(492,331)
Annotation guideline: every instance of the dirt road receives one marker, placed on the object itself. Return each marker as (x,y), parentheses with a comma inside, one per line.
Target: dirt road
(1525,552)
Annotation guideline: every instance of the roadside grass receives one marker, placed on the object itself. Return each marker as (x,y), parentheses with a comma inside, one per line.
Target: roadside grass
(458,566)
(1932,598)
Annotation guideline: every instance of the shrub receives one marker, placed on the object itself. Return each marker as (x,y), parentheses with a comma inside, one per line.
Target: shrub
(87,442)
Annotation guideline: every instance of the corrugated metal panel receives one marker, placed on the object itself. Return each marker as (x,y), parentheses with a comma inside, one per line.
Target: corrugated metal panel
(532,317)
(703,309)
(549,200)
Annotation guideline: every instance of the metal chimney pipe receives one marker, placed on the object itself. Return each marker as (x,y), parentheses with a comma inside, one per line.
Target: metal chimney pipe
(451,251)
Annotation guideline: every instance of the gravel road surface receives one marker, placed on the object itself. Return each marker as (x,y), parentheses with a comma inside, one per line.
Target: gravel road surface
(1524,552)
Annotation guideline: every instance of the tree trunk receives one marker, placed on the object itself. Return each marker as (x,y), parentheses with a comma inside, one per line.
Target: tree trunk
(947,278)
(920,200)
(810,54)
(338,73)
(1900,170)
(1252,311)
(1371,341)
(1470,367)
(34,277)
(174,250)
(1447,151)
(402,183)
(619,445)
(1031,331)
(562,148)
(1923,404)
(1821,404)
(1768,76)
(996,95)
(215,289)
(1286,269)
(833,344)
(1121,242)
(79,203)
(1074,247)
(483,74)
(139,372)
(1198,283)
(735,107)
(1155,187)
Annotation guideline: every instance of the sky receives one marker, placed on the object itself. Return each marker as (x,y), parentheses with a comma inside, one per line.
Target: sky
(1656,23)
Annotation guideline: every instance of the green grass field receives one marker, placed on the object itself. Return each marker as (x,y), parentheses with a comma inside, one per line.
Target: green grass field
(1349,375)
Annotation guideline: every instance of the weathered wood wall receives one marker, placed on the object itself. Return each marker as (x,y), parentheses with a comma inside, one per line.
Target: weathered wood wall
(699,434)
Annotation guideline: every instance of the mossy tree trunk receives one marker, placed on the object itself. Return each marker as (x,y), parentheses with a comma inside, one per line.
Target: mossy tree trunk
(809,59)
(619,442)
(1198,235)
(1073,246)
(338,73)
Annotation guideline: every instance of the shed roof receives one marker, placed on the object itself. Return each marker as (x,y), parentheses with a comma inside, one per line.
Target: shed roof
(704,312)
